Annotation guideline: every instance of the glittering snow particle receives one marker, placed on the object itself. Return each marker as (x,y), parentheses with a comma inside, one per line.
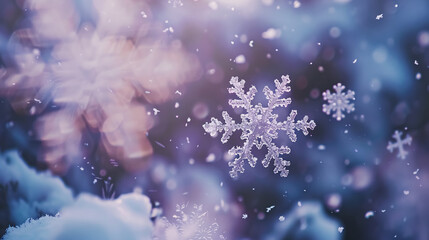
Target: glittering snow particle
(399,144)
(369,214)
(338,102)
(259,126)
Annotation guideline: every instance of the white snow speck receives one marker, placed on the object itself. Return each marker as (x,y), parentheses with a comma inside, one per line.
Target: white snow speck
(271,33)
(211,157)
(418,76)
(369,214)
(296,4)
(213,5)
(270,208)
(240,59)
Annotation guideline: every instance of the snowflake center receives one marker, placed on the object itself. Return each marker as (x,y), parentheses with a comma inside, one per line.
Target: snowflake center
(260,125)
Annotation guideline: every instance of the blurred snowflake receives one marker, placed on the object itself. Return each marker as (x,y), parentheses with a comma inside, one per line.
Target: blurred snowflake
(176,3)
(399,144)
(99,75)
(338,102)
(259,126)
(187,224)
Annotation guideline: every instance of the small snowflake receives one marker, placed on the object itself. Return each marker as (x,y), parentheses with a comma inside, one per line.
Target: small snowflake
(259,126)
(399,144)
(338,102)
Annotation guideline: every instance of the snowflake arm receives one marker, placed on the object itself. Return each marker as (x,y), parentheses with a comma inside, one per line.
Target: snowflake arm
(245,99)
(273,98)
(216,126)
(279,163)
(338,102)
(259,126)
(399,144)
(304,125)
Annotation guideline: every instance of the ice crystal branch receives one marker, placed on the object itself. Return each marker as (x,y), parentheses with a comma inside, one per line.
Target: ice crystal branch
(259,126)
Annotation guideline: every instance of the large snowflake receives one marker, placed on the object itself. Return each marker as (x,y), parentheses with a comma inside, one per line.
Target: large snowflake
(399,144)
(338,102)
(259,126)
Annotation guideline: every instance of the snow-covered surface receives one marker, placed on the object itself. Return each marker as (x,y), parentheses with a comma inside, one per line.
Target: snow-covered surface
(28,193)
(91,218)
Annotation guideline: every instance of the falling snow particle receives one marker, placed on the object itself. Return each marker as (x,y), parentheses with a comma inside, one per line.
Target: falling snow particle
(240,59)
(379,16)
(340,229)
(270,208)
(160,144)
(244,216)
(369,214)
(296,4)
(211,157)
(281,218)
(418,76)
(213,5)
(271,33)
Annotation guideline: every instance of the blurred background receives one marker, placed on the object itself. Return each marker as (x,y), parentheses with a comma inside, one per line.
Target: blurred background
(112,95)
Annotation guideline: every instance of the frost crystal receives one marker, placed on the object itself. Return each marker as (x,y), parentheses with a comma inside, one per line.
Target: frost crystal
(259,126)
(338,102)
(189,224)
(399,144)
